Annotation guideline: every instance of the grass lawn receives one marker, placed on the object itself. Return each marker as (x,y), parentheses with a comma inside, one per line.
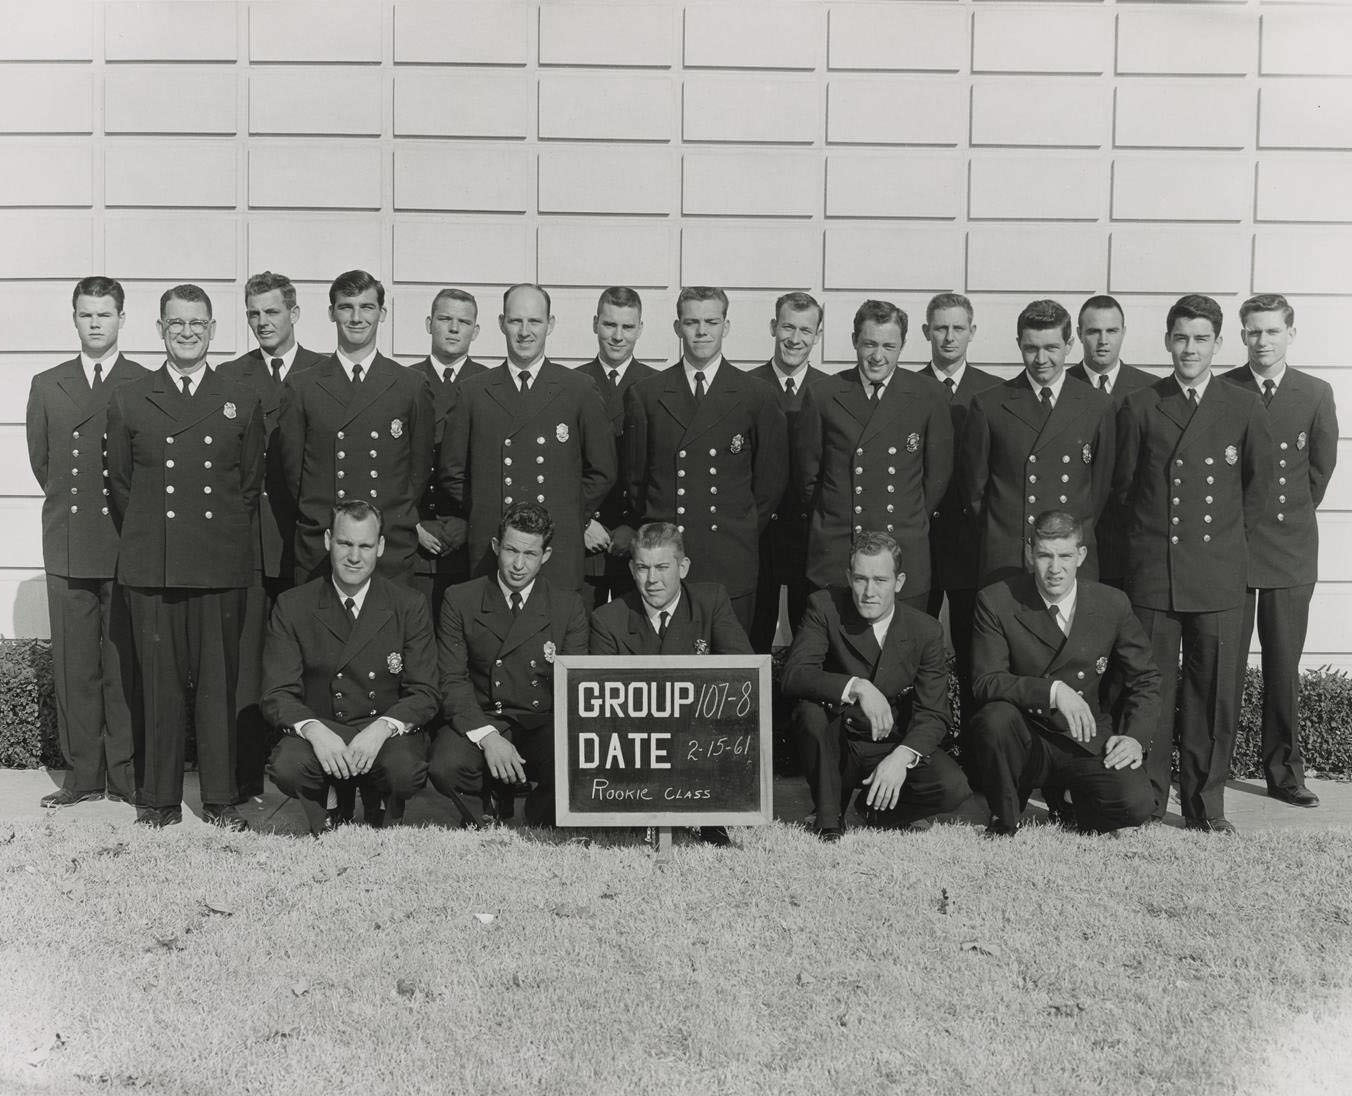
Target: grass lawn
(428,961)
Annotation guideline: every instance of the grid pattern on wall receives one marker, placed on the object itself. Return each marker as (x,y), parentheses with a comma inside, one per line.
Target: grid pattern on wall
(889,149)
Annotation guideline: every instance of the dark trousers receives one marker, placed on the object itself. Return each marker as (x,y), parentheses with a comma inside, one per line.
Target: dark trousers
(765,619)
(458,770)
(433,586)
(95,678)
(1207,705)
(398,773)
(187,635)
(1283,617)
(835,764)
(252,733)
(1014,758)
(961,609)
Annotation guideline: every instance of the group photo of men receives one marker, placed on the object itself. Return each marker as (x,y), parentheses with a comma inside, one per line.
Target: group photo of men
(350,577)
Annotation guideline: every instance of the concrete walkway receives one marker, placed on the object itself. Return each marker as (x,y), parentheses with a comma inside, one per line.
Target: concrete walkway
(1246,803)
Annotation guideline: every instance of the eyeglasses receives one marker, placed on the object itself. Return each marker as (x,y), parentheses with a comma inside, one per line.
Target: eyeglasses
(175,327)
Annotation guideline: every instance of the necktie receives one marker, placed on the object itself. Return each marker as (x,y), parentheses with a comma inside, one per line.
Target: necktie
(1103,383)
(877,393)
(350,605)
(448,375)
(1057,618)
(789,387)
(276,364)
(951,386)
(356,374)
(1269,390)
(187,385)
(1046,396)
(614,378)
(662,618)
(1192,402)
(98,375)
(525,383)
(516,603)
(699,386)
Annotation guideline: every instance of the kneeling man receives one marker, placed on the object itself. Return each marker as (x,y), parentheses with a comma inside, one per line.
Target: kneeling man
(496,644)
(871,678)
(1051,659)
(349,670)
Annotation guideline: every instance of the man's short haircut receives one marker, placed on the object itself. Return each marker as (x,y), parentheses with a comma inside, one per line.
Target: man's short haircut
(194,294)
(549,307)
(879,312)
(658,534)
(876,544)
(1100,301)
(1195,306)
(353,283)
(797,301)
(266,282)
(527,517)
(96,285)
(452,294)
(619,296)
(1056,525)
(1043,315)
(357,510)
(1267,302)
(940,301)
(701,293)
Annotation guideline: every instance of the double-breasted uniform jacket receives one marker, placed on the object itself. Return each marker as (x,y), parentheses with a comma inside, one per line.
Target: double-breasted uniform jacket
(703,623)
(343,441)
(435,511)
(866,468)
(1018,650)
(835,644)
(498,669)
(955,537)
(717,471)
(1194,487)
(1110,534)
(319,664)
(67,440)
(276,508)
(1284,544)
(554,446)
(784,543)
(184,474)
(615,507)
(1015,465)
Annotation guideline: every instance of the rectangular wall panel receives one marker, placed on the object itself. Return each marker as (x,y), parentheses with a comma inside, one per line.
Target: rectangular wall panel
(47,328)
(1304,260)
(463,176)
(582,106)
(585,253)
(1070,112)
(899,37)
(486,104)
(170,99)
(1150,114)
(1037,186)
(745,184)
(1015,40)
(46,99)
(335,30)
(1181,259)
(895,184)
(23,519)
(1307,42)
(315,248)
(316,100)
(750,35)
(751,109)
(1058,258)
(177,246)
(489,32)
(1214,186)
(46,173)
(616,35)
(316,174)
(750,256)
(608,180)
(1305,114)
(893,257)
(146,172)
(46,245)
(895,111)
(163,30)
(16,477)
(474,251)
(1162,39)
(1304,189)
(55,30)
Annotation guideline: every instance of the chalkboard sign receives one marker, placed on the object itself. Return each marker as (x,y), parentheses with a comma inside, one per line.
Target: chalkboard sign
(662,740)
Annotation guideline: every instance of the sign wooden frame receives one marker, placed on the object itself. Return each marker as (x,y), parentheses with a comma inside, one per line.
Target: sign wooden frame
(566,816)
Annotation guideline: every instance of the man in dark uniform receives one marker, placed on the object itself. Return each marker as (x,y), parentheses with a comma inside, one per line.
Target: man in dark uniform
(357,426)
(783,546)
(442,560)
(706,448)
(91,664)
(874,451)
(1046,650)
(185,467)
(1036,442)
(496,645)
(954,535)
(529,431)
(351,677)
(618,323)
(1194,464)
(272,312)
(1101,329)
(871,678)
(1284,545)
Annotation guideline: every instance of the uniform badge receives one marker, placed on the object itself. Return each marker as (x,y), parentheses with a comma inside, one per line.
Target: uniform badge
(735,446)
(912,442)
(230,414)
(396,428)
(1087,453)
(1102,664)
(394,662)
(1301,439)
(561,432)
(549,649)
(701,646)
(1231,454)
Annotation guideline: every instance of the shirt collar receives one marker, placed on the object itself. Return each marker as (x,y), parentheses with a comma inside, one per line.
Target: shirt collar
(708,370)
(194,378)
(365,363)
(670,610)
(108,360)
(1276,377)
(359,597)
(868,384)
(454,367)
(1066,606)
(607,368)
(881,625)
(1055,385)
(1200,386)
(533,369)
(507,591)
(782,378)
(956,376)
(1092,375)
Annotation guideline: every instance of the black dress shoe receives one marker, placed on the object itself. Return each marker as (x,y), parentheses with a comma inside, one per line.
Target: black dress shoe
(116,797)
(831,834)
(64,797)
(1297,797)
(159,817)
(717,836)
(1211,825)
(225,816)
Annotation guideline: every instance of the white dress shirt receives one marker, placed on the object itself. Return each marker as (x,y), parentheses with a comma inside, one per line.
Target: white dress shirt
(194,378)
(108,361)
(1055,386)
(364,361)
(708,371)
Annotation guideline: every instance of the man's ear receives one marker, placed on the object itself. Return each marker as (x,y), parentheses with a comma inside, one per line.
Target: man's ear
(685,566)
(901,580)
(380,546)
(544,556)
(328,540)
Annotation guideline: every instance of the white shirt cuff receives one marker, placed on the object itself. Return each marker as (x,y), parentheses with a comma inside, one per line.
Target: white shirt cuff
(849,688)
(478,735)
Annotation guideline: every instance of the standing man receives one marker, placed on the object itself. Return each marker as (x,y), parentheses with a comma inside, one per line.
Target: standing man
(706,449)
(357,426)
(1194,464)
(185,467)
(1036,442)
(783,546)
(529,431)
(1101,329)
(496,645)
(954,535)
(1284,545)
(874,451)
(67,431)
(618,323)
(442,560)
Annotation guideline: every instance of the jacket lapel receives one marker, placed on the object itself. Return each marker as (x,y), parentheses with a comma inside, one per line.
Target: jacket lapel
(642,638)
(533,620)
(676,397)
(718,403)
(1066,409)
(330,613)
(378,379)
(1021,402)
(855,400)
(493,612)
(334,381)
(375,614)
(1033,615)
(683,628)
(885,414)
(858,636)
